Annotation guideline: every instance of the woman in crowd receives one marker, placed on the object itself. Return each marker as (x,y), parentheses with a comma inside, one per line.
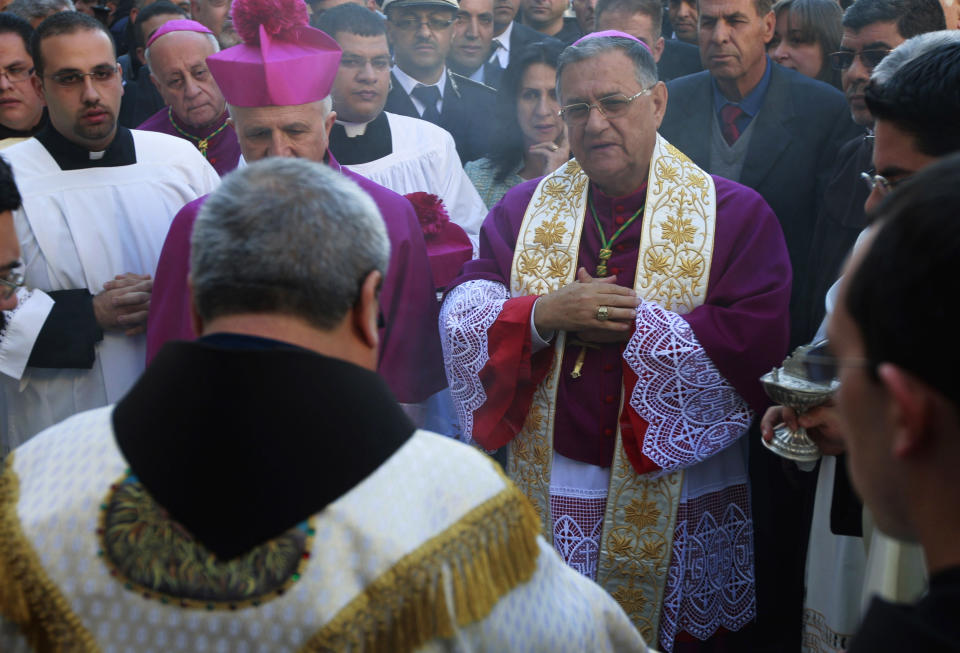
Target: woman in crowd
(807,32)
(530,139)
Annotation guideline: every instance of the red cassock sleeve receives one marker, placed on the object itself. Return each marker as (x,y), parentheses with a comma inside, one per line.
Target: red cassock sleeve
(511,375)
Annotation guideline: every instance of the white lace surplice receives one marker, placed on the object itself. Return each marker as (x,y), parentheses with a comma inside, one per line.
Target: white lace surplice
(696,422)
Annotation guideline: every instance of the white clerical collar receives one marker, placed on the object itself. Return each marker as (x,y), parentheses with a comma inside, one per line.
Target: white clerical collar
(96,156)
(502,52)
(408,83)
(353,129)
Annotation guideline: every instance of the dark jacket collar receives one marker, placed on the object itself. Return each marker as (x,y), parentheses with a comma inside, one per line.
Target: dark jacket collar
(70,156)
(6,132)
(240,441)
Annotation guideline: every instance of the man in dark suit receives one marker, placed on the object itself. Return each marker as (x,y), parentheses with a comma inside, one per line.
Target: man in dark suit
(509,36)
(778,132)
(644,19)
(420,32)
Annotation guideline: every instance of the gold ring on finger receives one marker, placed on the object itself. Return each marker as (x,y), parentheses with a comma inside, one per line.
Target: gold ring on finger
(603,313)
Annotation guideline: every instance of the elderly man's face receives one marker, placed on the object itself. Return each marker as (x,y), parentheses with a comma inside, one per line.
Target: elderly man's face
(614,152)
(421,38)
(20,104)
(179,70)
(472,34)
(300,131)
(875,38)
(864,407)
(363,79)
(733,42)
(9,260)
(83,109)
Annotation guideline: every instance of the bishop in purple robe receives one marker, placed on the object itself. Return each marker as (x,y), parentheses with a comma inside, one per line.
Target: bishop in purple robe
(294,120)
(641,393)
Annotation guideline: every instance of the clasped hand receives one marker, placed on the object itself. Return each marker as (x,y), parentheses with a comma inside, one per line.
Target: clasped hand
(124,303)
(574,307)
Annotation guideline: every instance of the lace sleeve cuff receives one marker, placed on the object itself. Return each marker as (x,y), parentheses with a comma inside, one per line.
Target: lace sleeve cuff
(692,411)
(20,330)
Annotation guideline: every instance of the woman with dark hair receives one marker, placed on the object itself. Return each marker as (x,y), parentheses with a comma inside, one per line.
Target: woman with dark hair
(530,139)
(807,31)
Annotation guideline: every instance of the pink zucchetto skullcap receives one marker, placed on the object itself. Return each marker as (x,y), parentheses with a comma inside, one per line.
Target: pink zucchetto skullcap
(282,60)
(182,25)
(611,32)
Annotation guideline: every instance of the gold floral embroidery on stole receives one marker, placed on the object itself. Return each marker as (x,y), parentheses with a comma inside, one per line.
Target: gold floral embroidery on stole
(676,249)
(544,260)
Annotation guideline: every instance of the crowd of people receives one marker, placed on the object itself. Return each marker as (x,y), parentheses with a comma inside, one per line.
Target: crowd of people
(404,325)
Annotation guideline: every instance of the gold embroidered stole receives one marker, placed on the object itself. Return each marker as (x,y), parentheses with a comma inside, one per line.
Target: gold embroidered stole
(673,270)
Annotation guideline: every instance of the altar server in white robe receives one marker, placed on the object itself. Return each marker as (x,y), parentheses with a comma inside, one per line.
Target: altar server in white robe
(97,202)
(407,155)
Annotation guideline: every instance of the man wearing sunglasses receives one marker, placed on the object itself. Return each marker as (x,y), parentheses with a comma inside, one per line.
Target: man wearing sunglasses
(610,335)
(97,202)
(421,32)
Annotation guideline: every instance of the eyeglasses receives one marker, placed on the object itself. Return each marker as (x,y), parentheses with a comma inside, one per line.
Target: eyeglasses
(412,24)
(16,74)
(99,75)
(869,58)
(610,107)
(12,281)
(879,181)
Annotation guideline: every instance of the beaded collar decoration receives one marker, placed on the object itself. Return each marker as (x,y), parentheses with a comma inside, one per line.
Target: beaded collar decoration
(154,556)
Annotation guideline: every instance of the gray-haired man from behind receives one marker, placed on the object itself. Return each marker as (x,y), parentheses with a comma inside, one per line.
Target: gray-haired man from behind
(301,487)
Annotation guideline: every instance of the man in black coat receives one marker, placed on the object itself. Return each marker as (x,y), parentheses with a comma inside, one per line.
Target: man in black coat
(420,32)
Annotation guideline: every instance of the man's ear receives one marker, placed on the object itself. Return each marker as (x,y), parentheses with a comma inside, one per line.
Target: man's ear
(657,49)
(913,404)
(366,313)
(195,320)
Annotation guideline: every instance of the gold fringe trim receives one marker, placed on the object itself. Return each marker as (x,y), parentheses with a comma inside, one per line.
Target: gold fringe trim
(474,563)
(27,595)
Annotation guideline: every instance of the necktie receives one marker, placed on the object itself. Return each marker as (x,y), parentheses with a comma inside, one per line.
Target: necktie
(494,59)
(728,122)
(428,95)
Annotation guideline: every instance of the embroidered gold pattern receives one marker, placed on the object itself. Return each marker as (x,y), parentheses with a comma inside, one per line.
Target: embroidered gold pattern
(487,553)
(27,595)
(673,269)
(154,556)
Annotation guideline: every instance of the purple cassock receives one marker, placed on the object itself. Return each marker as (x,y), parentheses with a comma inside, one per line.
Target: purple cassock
(680,389)
(223,149)
(410,356)
(742,324)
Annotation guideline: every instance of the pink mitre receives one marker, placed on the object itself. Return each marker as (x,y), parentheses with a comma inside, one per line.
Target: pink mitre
(282,60)
(612,32)
(181,25)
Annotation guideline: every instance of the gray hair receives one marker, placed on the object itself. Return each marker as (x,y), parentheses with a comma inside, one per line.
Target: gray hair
(910,50)
(209,37)
(645,68)
(33,9)
(286,236)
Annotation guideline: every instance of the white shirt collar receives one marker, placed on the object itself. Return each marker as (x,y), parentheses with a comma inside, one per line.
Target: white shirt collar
(408,83)
(354,129)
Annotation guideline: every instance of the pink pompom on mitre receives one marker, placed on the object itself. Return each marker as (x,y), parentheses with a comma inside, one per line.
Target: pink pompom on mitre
(278,17)
(430,212)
